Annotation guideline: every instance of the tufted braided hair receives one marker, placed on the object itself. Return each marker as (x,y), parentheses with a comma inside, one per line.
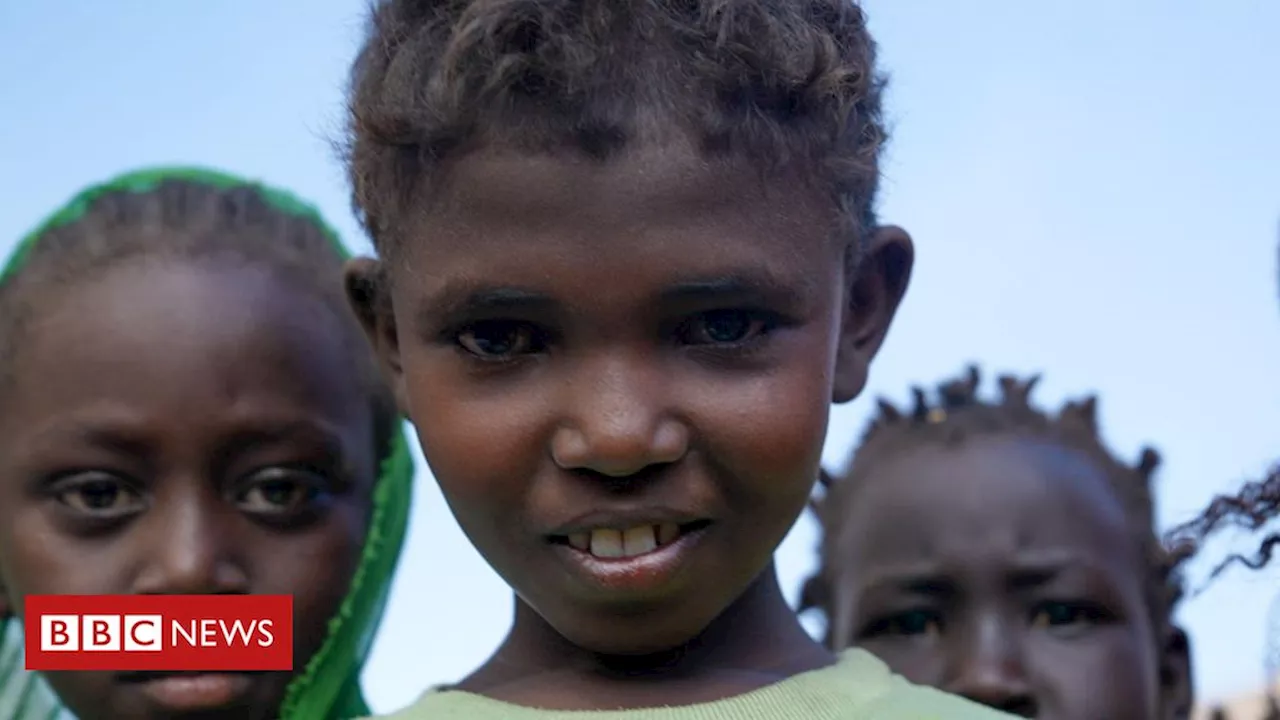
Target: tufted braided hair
(958,414)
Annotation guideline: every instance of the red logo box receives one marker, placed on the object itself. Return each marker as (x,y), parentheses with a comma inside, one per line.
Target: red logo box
(212,633)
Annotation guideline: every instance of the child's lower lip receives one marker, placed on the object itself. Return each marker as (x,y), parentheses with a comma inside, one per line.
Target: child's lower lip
(638,574)
(197,691)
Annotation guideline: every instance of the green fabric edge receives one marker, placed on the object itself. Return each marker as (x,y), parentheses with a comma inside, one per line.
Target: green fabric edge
(323,689)
(328,688)
(146,180)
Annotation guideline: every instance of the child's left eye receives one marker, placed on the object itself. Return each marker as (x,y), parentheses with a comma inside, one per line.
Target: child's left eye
(1067,614)
(724,327)
(279,491)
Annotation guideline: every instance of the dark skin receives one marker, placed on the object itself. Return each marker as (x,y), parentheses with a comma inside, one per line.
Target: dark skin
(1004,569)
(238,460)
(654,333)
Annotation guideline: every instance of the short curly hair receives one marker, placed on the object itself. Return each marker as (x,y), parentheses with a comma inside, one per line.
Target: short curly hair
(959,414)
(780,82)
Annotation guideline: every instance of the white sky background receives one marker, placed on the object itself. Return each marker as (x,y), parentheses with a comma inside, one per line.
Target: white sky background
(1094,188)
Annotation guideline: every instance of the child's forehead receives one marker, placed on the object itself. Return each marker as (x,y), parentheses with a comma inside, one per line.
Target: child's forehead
(654,180)
(241,350)
(637,224)
(220,314)
(1025,485)
(1021,466)
(142,287)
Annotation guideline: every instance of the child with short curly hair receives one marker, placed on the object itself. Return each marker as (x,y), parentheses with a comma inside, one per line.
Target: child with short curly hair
(629,259)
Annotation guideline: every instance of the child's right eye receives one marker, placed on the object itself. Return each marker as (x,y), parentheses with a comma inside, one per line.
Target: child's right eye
(912,623)
(1066,615)
(98,495)
(500,339)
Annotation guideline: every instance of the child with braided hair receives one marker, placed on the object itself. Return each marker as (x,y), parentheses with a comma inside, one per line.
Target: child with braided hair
(1004,554)
(187,407)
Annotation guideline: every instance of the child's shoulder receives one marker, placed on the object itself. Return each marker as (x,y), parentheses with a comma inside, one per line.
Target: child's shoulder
(23,695)
(858,687)
(861,687)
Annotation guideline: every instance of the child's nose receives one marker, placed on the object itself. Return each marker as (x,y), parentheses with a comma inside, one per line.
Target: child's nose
(188,551)
(990,669)
(617,421)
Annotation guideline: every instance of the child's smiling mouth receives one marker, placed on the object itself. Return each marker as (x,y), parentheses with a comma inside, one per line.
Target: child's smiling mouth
(192,691)
(632,552)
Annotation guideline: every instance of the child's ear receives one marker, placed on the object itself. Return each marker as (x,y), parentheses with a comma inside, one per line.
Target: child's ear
(1176,695)
(872,298)
(366,286)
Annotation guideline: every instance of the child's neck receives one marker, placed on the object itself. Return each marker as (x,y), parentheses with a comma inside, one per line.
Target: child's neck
(756,642)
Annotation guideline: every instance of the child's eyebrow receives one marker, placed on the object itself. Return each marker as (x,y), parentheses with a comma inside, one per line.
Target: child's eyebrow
(94,434)
(117,438)
(762,287)
(1025,572)
(923,578)
(1034,570)
(313,433)
(462,300)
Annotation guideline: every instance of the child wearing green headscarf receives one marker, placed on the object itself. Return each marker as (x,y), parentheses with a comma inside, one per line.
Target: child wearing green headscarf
(187,407)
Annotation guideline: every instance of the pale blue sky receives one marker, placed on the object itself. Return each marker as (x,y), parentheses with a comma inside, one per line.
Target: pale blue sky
(1094,188)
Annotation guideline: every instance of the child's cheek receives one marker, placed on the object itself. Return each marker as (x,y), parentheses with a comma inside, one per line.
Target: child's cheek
(773,424)
(479,438)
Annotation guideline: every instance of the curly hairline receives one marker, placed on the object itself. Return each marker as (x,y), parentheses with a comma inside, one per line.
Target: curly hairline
(782,84)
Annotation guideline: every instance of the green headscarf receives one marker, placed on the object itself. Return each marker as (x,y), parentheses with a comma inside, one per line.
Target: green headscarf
(328,688)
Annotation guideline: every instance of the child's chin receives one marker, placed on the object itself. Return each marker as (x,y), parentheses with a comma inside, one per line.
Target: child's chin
(648,632)
(638,643)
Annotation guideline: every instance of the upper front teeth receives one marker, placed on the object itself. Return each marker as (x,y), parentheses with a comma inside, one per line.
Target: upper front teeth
(610,543)
(639,540)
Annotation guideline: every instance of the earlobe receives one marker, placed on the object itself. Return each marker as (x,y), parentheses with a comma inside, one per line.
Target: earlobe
(1176,695)
(872,298)
(364,281)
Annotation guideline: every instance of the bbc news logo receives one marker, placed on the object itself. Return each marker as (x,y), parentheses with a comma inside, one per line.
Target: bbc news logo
(214,633)
(145,633)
